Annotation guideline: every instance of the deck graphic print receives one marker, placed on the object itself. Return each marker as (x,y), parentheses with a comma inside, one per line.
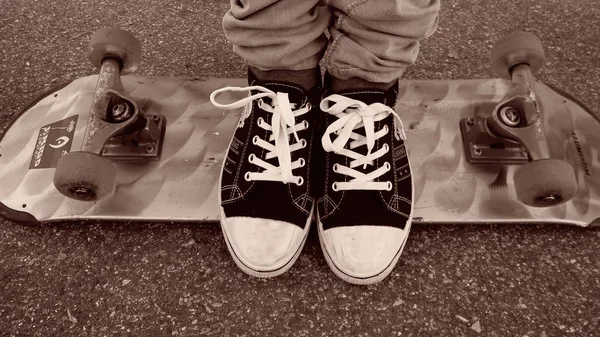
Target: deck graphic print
(54,140)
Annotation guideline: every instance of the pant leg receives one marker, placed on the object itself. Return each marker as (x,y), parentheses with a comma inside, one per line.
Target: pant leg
(376,40)
(278,34)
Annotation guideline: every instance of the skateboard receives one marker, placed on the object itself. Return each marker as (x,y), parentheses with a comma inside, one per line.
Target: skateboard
(120,146)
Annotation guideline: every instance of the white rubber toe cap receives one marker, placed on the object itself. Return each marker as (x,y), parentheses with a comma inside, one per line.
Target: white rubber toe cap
(363,254)
(263,247)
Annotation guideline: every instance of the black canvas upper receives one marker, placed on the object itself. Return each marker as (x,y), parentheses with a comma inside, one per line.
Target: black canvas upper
(365,207)
(265,199)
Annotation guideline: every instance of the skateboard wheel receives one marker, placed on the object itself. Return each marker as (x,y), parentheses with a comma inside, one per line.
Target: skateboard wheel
(545,182)
(85,176)
(116,43)
(515,49)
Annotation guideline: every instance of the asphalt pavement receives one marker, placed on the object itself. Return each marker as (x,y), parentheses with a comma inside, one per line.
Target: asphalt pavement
(173,279)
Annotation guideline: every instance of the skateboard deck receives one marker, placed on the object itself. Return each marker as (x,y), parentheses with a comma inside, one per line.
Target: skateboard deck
(183,184)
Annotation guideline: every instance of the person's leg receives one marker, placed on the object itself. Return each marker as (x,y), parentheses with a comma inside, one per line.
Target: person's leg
(365,205)
(278,35)
(266,196)
(376,40)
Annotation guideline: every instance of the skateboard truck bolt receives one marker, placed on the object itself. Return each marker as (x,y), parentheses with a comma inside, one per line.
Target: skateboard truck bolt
(121,112)
(477,151)
(550,200)
(149,149)
(82,193)
(510,116)
(471,121)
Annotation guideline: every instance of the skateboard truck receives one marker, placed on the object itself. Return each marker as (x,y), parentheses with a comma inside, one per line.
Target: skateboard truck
(117,129)
(513,133)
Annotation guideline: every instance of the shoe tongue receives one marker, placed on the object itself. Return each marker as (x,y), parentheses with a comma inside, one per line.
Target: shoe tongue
(368,97)
(296,96)
(295,93)
(363,150)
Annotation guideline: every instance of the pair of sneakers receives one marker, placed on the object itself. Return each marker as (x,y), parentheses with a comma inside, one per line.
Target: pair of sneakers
(299,155)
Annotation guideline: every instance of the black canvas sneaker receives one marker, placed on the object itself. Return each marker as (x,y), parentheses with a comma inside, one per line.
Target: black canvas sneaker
(266,197)
(365,204)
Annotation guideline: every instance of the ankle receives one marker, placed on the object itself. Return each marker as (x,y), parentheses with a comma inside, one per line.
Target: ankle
(305,79)
(355,83)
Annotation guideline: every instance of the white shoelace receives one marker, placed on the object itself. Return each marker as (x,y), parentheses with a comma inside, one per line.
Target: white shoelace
(283,124)
(353,114)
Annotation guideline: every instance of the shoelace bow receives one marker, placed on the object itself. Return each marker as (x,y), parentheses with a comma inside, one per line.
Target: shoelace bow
(353,114)
(282,125)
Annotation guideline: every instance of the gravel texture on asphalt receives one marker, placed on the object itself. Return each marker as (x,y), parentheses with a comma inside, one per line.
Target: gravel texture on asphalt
(172,279)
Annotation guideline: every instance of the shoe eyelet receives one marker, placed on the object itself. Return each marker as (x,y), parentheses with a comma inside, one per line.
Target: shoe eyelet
(389,186)
(386,147)
(247,176)
(299,181)
(303,143)
(251,158)
(255,140)
(302,162)
(387,165)
(259,121)
(335,168)
(334,187)
(387,129)
(305,123)
(308,106)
